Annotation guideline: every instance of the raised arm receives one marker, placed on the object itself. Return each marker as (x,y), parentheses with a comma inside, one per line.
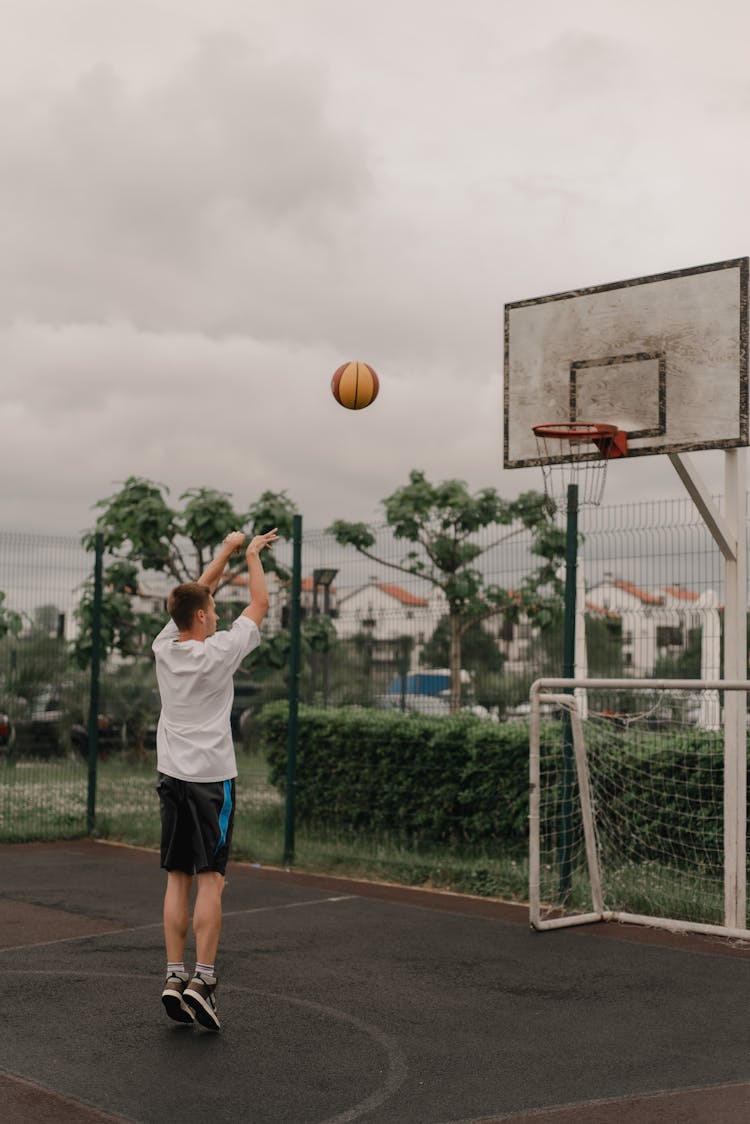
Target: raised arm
(211,576)
(258,606)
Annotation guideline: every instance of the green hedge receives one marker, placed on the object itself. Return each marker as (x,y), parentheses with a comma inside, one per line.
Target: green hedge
(446,780)
(663,803)
(464,780)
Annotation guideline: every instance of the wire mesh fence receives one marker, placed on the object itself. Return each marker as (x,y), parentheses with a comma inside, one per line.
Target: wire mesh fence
(43,769)
(653,606)
(376,636)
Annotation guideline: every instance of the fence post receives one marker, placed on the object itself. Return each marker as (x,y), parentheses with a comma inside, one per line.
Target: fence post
(569,655)
(294,662)
(96,628)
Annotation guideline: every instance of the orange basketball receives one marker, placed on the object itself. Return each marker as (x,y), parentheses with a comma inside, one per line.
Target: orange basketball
(355,385)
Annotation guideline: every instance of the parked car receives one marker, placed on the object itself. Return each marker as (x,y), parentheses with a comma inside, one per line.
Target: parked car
(6,731)
(45,732)
(110,737)
(415,704)
(428,692)
(40,735)
(433,682)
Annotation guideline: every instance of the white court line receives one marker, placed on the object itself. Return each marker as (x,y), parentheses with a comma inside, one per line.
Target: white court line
(289,905)
(160,925)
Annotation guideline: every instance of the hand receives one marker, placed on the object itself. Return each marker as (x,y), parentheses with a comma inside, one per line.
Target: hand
(235,540)
(261,541)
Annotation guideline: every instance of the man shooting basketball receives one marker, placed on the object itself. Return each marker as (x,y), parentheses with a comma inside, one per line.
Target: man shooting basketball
(197,767)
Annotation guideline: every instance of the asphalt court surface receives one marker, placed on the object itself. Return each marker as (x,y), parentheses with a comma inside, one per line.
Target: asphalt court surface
(344,1001)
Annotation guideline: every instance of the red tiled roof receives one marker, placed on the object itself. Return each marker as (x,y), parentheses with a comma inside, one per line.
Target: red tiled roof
(681,594)
(646,598)
(402,595)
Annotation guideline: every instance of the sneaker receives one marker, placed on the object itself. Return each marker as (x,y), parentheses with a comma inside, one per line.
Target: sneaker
(171,997)
(199,996)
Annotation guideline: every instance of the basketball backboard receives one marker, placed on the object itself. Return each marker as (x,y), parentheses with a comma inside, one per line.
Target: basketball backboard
(663,358)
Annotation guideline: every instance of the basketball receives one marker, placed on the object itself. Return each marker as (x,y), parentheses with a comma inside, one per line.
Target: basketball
(355,385)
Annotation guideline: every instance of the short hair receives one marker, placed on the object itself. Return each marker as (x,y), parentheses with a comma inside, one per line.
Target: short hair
(184,602)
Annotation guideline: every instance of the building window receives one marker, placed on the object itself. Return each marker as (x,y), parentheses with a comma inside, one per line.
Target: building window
(505,632)
(668,636)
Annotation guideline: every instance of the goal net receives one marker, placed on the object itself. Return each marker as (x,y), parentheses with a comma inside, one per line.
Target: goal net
(630,815)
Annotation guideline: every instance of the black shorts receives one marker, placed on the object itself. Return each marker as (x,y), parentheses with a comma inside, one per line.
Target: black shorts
(196,824)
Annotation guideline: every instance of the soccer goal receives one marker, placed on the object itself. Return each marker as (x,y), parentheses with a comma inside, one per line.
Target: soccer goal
(638,810)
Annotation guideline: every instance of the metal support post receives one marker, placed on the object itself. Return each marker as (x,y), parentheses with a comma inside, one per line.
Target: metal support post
(96,642)
(294,661)
(735,702)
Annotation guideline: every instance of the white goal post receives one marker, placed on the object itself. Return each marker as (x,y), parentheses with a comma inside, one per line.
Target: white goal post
(636,813)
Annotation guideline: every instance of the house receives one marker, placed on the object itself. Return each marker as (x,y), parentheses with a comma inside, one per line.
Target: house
(237,591)
(396,621)
(657,623)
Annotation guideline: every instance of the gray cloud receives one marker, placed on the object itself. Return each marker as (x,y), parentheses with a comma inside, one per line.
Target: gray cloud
(180,205)
(206,209)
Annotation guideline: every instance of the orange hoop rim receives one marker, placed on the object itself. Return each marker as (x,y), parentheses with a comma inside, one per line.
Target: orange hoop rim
(575,431)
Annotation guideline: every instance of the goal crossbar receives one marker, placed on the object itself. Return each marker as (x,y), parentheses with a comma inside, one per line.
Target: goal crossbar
(559,692)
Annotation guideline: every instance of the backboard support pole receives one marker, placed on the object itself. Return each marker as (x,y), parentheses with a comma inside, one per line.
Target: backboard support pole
(735,707)
(723,534)
(730,536)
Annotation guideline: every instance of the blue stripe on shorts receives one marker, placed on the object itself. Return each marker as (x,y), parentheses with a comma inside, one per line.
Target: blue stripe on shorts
(224,815)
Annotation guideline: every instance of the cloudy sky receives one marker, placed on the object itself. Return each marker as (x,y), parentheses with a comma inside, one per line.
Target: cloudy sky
(208,205)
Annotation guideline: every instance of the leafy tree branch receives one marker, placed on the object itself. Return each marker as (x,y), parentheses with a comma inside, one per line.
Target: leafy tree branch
(442,521)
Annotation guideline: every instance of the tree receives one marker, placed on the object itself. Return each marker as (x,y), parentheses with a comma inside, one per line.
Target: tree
(10,621)
(121,628)
(442,521)
(142,531)
(479,652)
(32,654)
(604,646)
(138,525)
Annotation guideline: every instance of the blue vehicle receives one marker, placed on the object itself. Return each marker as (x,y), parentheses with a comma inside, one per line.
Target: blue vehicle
(426,692)
(435,682)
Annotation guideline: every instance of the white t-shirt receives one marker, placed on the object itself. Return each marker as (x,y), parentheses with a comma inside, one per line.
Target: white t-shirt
(195,677)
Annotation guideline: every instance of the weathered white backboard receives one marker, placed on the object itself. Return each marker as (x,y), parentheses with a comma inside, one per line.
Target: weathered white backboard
(663,358)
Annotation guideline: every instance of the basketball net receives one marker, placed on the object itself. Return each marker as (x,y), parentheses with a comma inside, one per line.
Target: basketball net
(577,453)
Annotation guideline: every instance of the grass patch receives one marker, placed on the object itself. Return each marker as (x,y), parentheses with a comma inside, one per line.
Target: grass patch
(647,888)
(467,871)
(42,800)
(653,889)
